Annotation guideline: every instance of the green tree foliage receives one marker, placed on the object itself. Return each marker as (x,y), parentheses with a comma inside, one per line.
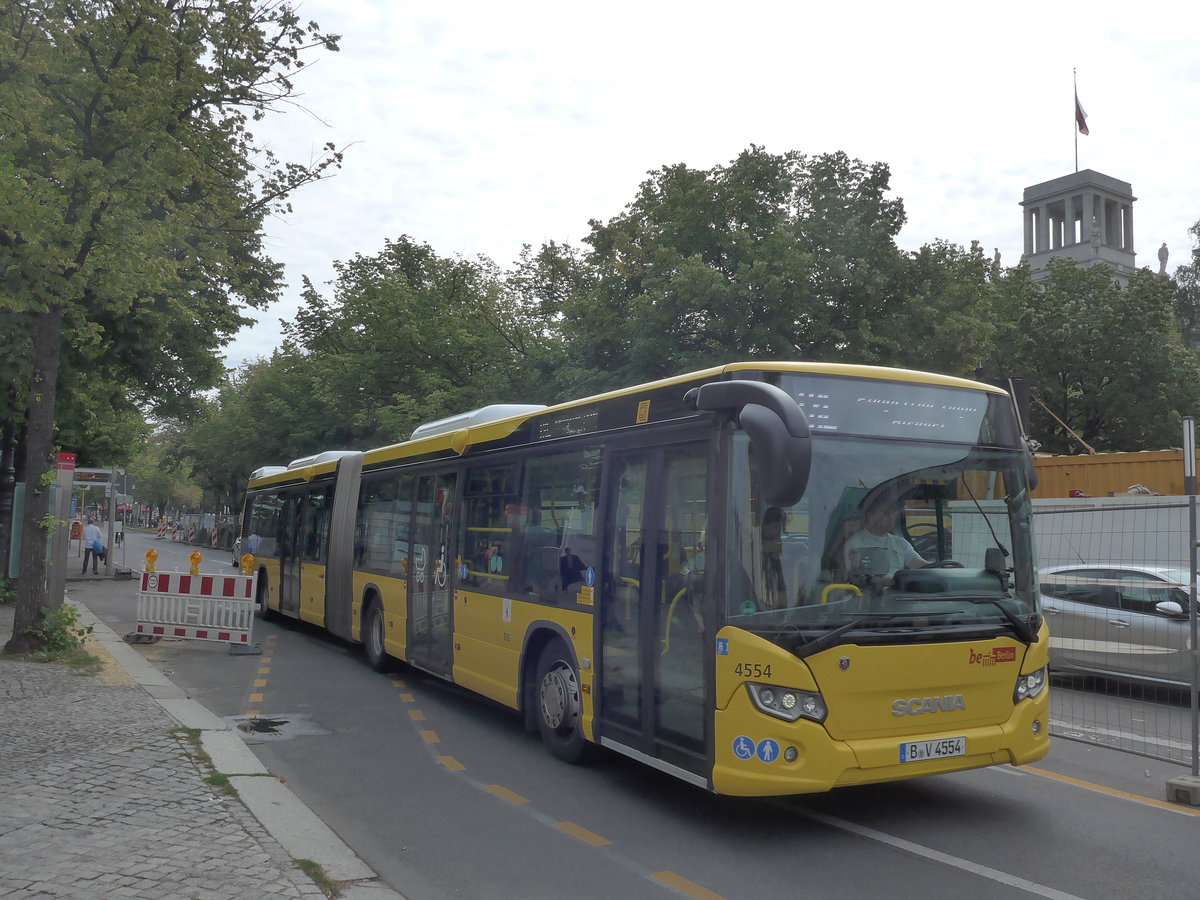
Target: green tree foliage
(772,256)
(158,481)
(1187,294)
(1107,361)
(409,336)
(945,326)
(131,220)
(267,413)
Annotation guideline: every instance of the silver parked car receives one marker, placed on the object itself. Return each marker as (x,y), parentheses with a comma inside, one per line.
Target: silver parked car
(1121,620)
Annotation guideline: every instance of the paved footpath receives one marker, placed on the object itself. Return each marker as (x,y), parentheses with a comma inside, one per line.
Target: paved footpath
(104,793)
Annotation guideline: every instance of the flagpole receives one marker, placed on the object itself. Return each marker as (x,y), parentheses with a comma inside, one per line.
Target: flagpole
(1075,85)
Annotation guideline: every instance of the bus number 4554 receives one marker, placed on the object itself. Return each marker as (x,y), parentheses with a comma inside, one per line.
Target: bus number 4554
(752,670)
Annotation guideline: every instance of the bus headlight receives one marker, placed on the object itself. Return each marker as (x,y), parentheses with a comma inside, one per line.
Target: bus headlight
(787,703)
(1030,685)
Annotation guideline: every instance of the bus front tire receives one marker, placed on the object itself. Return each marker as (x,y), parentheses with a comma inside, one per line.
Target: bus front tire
(373,637)
(559,706)
(262,599)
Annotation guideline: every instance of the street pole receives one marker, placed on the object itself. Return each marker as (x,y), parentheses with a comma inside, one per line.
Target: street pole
(60,541)
(1189,485)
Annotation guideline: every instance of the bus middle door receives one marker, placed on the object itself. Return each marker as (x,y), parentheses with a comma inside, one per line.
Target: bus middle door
(432,575)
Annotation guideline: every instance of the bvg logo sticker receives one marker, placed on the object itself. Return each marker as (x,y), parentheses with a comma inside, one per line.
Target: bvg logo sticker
(997,655)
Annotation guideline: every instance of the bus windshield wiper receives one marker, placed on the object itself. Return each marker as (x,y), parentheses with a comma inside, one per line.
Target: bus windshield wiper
(1023,629)
(831,638)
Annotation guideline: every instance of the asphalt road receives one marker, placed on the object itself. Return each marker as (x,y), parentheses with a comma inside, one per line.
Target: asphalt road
(446,796)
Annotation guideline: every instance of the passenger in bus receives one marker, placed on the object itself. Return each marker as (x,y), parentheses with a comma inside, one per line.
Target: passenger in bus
(874,554)
(570,568)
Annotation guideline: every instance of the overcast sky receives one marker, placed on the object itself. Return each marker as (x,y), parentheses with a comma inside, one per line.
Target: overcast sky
(479,127)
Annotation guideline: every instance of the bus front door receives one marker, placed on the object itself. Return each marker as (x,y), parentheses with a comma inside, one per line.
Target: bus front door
(432,575)
(654,694)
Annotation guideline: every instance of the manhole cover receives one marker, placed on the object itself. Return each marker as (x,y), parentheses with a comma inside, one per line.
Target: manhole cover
(277,727)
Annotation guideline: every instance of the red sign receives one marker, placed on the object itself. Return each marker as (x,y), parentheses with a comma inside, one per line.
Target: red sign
(66,461)
(997,655)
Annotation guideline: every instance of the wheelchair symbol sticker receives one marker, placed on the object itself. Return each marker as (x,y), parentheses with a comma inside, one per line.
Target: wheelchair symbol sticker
(743,747)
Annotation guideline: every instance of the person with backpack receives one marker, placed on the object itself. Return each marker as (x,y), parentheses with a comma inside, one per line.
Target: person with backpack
(93,547)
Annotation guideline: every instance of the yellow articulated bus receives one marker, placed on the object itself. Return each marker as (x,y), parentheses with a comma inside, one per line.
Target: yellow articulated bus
(710,573)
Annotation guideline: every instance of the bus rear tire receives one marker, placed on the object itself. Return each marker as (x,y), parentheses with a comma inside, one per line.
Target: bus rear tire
(559,707)
(373,635)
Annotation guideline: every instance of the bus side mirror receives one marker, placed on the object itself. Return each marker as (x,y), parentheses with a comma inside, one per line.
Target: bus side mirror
(778,431)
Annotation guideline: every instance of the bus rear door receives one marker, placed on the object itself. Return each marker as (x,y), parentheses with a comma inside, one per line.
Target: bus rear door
(288,544)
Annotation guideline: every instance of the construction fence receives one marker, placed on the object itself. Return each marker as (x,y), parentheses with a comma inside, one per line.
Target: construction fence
(1117,589)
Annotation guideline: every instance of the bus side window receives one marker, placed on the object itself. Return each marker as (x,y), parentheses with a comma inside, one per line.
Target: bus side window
(491,518)
(558,538)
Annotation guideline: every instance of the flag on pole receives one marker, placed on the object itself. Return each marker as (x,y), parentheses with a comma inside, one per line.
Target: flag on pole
(1080,116)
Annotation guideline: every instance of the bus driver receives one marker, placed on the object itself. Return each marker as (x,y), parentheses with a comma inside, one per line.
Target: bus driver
(876,552)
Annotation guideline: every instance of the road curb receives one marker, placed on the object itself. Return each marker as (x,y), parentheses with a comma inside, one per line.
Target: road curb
(284,816)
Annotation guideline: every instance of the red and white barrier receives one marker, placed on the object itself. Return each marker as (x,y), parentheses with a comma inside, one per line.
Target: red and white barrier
(201,607)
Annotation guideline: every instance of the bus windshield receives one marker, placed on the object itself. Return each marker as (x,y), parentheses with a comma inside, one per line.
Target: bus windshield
(895,541)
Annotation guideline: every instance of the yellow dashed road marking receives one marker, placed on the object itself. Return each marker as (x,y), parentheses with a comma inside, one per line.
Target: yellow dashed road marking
(451,763)
(1113,792)
(256,698)
(407,698)
(416,715)
(430,737)
(578,831)
(505,793)
(688,887)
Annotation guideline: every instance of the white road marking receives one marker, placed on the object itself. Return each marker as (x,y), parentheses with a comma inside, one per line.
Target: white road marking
(945,859)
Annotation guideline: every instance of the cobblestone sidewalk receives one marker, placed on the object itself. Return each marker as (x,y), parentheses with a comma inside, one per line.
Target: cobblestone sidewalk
(101,797)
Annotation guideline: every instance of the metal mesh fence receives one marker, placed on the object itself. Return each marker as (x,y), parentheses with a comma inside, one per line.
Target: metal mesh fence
(1116,588)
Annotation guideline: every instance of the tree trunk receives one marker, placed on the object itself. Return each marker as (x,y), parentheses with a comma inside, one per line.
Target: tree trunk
(39,448)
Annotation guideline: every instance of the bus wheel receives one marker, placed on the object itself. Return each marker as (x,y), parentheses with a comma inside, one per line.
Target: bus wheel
(373,636)
(559,707)
(261,597)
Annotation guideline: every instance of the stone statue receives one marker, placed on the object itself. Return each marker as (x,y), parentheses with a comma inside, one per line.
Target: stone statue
(996,258)
(1162,259)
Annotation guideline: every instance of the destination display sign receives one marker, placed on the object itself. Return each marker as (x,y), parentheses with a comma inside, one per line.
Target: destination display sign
(889,409)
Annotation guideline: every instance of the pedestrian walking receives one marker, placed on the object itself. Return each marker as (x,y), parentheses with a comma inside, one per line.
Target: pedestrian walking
(93,547)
